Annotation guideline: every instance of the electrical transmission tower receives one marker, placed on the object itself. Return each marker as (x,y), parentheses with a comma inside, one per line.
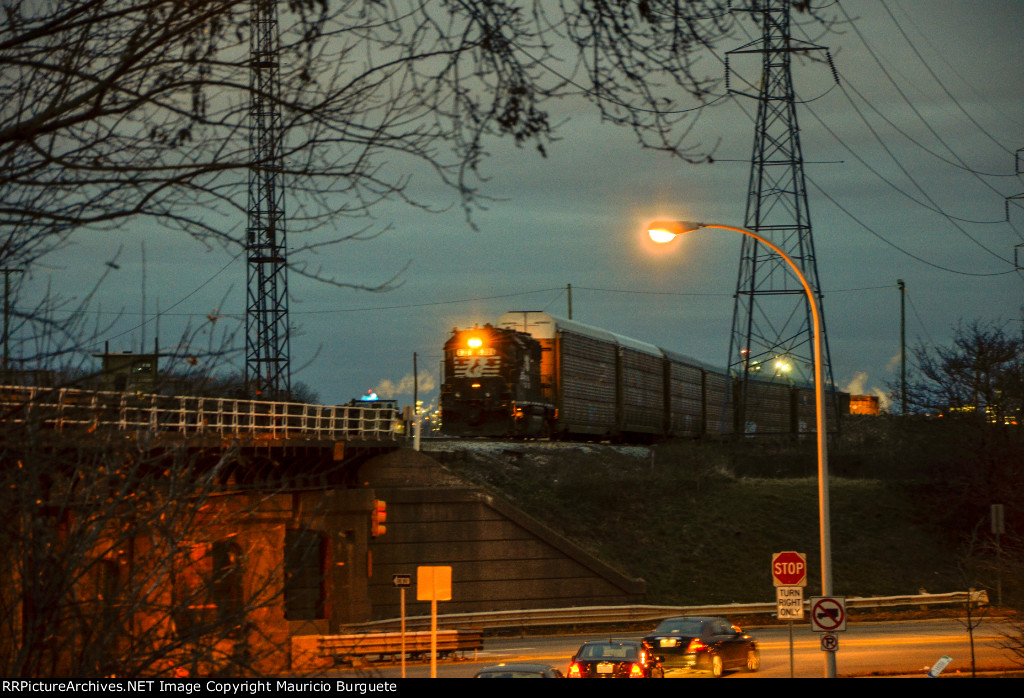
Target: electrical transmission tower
(267,366)
(772,332)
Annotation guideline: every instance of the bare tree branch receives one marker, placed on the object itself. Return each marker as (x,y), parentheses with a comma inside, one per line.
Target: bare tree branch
(980,374)
(112,110)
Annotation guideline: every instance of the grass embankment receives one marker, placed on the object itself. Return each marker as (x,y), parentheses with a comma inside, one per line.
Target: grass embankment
(699,534)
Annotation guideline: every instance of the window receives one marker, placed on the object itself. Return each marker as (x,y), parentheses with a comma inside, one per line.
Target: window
(226,580)
(208,591)
(305,566)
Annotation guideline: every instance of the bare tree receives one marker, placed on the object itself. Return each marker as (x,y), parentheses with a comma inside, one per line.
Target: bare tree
(131,547)
(123,560)
(973,454)
(113,109)
(980,374)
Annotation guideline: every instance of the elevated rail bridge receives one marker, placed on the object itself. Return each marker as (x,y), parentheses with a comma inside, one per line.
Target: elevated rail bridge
(287,437)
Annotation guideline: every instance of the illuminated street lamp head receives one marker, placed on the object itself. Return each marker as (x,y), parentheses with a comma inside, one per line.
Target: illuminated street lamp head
(666,231)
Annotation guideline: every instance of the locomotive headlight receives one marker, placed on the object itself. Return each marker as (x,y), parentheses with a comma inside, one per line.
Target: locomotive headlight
(475,345)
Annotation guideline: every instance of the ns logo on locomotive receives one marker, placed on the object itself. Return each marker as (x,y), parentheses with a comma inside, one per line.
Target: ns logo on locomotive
(536,375)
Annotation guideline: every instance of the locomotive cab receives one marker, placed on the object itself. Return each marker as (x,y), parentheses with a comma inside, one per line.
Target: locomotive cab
(492,384)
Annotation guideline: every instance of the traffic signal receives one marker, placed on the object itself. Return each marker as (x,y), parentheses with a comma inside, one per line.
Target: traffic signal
(378,517)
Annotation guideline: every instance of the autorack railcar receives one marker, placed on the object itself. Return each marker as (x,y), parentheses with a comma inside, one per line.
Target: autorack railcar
(535,374)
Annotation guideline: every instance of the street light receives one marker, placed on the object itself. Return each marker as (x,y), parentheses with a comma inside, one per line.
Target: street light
(666,231)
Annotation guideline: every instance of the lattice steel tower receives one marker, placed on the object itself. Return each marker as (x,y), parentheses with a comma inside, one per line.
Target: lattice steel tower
(772,334)
(267,365)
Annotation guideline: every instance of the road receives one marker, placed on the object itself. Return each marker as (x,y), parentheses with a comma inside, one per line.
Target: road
(907,648)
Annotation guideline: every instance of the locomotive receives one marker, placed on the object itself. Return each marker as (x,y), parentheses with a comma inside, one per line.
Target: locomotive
(533,374)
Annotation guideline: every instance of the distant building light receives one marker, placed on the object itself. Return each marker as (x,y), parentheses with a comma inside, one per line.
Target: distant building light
(864,404)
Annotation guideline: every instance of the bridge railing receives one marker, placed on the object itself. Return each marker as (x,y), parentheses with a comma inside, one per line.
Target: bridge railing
(67,408)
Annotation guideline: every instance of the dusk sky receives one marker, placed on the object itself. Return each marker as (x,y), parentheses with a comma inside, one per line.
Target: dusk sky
(910,161)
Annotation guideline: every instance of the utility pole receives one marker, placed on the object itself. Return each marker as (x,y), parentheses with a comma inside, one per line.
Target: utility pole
(267,363)
(416,401)
(903,346)
(7,314)
(772,334)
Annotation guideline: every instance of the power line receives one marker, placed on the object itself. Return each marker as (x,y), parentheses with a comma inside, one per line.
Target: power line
(456,301)
(867,227)
(931,204)
(907,100)
(938,81)
(933,207)
(893,245)
(915,141)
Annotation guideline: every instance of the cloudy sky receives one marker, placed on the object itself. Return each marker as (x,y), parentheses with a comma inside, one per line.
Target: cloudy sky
(909,164)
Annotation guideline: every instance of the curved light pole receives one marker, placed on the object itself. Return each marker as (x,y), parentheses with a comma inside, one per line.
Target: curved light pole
(666,231)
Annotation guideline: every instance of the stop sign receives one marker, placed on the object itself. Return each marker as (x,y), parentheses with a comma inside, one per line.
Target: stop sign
(789,569)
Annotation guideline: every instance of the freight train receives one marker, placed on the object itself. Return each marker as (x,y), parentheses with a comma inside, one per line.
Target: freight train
(536,375)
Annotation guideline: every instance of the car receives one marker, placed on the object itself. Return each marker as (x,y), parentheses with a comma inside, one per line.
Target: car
(519,670)
(699,643)
(615,659)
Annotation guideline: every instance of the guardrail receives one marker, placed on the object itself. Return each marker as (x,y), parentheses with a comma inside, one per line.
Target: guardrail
(68,408)
(345,648)
(599,615)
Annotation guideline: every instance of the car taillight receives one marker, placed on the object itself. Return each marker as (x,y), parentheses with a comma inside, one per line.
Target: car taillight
(695,645)
(574,670)
(636,671)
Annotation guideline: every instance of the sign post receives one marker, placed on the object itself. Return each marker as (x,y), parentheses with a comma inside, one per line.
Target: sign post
(999,527)
(828,616)
(789,574)
(433,584)
(402,582)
